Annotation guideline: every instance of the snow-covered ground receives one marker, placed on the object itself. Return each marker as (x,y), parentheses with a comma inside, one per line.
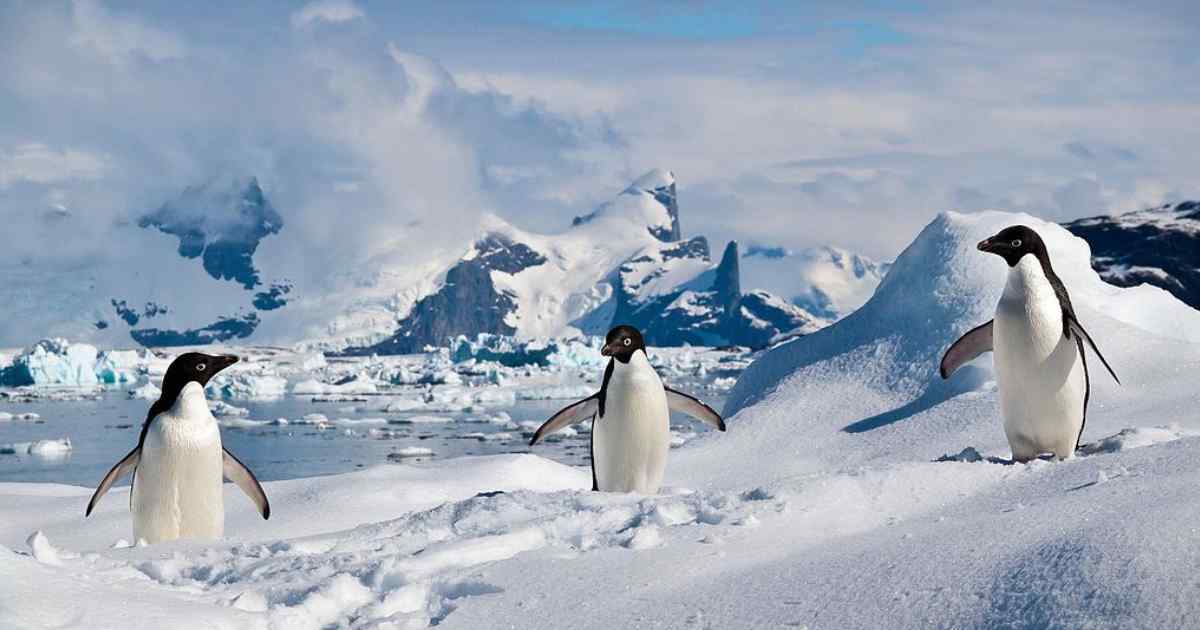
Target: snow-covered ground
(823,506)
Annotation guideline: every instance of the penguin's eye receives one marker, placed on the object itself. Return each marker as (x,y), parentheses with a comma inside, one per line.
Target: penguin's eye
(1016,242)
(200,367)
(628,341)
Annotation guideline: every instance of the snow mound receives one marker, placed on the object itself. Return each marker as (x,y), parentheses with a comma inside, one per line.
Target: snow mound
(940,287)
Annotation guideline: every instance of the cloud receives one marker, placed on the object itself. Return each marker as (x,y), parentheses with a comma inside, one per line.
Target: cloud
(38,164)
(381,142)
(376,158)
(332,11)
(118,39)
(1079,150)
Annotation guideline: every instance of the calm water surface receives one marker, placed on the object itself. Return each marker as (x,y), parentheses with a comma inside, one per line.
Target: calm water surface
(102,431)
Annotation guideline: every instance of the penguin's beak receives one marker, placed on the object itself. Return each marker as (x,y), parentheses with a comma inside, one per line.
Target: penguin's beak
(223,361)
(611,348)
(986,246)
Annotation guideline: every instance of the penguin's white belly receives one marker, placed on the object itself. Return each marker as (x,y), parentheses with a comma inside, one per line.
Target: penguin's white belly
(630,443)
(1040,377)
(177,487)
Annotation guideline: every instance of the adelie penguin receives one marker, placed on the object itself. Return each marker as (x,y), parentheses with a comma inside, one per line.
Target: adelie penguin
(631,430)
(1038,343)
(179,462)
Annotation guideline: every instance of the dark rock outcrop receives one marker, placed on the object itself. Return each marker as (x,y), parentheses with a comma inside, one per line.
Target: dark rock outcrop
(222,227)
(1160,246)
(468,302)
(224,329)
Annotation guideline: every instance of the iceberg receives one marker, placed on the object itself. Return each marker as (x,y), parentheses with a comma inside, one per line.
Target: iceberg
(118,367)
(512,352)
(248,386)
(53,362)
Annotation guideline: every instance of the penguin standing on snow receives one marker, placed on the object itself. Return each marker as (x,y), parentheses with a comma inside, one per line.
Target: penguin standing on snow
(1041,366)
(631,432)
(179,462)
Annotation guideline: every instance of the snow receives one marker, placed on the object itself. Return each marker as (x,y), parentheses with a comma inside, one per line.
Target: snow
(828,282)
(824,505)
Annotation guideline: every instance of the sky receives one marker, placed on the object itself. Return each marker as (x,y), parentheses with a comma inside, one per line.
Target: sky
(380,128)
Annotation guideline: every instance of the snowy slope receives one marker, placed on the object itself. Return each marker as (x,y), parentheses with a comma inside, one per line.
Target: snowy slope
(821,507)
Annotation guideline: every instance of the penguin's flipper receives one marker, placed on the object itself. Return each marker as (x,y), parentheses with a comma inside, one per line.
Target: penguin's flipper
(681,402)
(124,467)
(977,341)
(237,472)
(571,414)
(1077,328)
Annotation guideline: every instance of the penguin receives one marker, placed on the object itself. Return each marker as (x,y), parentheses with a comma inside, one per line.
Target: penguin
(631,431)
(1038,344)
(179,462)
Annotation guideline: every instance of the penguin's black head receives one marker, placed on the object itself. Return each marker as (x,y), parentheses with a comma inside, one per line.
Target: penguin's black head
(1012,243)
(195,366)
(622,342)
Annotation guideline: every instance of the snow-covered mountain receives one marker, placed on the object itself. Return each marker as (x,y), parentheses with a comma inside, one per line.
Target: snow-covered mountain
(826,281)
(1159,246)
(622,263)
(216,264)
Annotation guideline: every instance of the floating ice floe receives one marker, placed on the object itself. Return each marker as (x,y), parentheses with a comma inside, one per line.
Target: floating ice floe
(237,422)
(221,408)
(423,420)
(146,392)
(41,448)
(359,384)
(409,452)
(23,417)
(512,352)
(555,392)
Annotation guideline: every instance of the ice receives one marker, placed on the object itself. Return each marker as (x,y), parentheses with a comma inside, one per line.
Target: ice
(28,416)
(411,451)
(221,408)
(41,448)
(424,420)
(312,362)
(145,392)
(247,386)
(513,352)
(119,367)
(54,362)
(556,392)
(359,384)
